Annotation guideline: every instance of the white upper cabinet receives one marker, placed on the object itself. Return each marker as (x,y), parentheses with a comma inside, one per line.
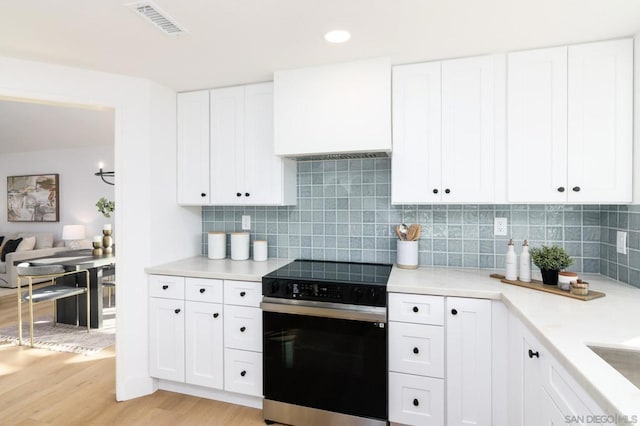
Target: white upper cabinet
(417,130)
(225,149)
(444,128)
(468,129)
(570,123)
(600,122)
(244,168)
(342,108)
(537,125)
(193,148)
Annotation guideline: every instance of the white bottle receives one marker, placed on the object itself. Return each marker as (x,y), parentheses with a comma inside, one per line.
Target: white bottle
(511,263)
(525,263)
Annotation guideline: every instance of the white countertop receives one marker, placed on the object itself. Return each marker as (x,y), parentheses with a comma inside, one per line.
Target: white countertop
(563,324)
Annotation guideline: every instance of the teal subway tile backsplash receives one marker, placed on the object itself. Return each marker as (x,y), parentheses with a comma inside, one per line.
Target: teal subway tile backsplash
(344,213)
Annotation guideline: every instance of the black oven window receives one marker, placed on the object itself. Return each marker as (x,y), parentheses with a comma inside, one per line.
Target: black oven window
(330,364)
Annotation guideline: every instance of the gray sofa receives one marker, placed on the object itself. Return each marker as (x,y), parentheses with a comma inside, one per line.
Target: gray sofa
(45,246)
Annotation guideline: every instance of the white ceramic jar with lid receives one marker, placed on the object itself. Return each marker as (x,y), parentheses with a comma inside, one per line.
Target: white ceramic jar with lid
(565,279)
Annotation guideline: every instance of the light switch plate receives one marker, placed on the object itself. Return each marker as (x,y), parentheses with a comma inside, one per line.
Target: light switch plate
(500,226)
(621,242)
(246,222)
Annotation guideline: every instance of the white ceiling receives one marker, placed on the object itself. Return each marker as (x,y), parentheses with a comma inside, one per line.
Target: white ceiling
(28,127)
(241,41)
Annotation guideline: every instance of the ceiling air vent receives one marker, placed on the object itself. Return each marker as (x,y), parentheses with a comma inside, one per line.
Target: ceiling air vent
(154,15)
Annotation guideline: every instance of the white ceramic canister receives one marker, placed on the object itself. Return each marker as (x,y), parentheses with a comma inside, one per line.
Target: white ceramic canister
(239,245)
(217,245)
(260,250)
(407,254)
(565,279)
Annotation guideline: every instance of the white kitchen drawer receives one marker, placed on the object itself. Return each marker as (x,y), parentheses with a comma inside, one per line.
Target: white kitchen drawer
(243,328)
(243,372)
(416,349)
(243,293)
(416,308)
(415,400)
(203,290)
(166,286)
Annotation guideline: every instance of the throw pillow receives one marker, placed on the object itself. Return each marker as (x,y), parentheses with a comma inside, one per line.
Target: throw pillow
(44,240)
(1,240)
(28,243)
(9,247)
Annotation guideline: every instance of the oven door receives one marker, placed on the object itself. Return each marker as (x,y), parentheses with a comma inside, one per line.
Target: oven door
(331,359)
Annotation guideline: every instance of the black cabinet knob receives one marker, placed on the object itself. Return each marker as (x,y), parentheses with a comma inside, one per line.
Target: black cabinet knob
(203,194)
(243,373)
(454,312)
(246,194)
(561,189)
(216,315)
(532,354)
(576,189)
(416,402)
(242,329)
(238,194)
(243,293)
(435,191)
(447,191)
(177,311)
(202,290)
(164,287)
(416,351)
(415,309)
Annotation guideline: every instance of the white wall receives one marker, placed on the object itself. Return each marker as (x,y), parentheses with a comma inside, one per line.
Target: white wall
(636,119)
(144,132)
(79,189)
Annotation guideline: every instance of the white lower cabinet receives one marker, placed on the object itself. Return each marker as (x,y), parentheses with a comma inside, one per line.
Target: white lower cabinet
(541,391)
(416,400)
(420,328)
(197,339)
(203,339)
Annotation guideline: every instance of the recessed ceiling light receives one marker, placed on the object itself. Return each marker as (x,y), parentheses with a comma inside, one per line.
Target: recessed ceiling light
(337,36)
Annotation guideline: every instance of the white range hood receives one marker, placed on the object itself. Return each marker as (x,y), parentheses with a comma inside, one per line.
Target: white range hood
(341,110)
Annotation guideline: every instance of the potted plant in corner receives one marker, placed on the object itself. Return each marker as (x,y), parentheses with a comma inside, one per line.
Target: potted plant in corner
(550,260)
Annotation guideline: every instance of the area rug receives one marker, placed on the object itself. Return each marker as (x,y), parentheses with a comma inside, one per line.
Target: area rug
(63,337)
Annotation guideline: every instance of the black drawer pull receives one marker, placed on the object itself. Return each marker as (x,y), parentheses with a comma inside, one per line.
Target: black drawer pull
(532,354)
(576,189)
(243,329)
(216,315)
(164,287)
(454,312)
(243,373)
(415,309)
(416,402)
(246,194)
(416,351)
(177,311)
(203,194)
(561,189)
(202,290)
(238,194)
(243,293)
(447,191)
(435,191)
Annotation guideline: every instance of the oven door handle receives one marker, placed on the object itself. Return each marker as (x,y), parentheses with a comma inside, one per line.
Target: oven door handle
(367,314)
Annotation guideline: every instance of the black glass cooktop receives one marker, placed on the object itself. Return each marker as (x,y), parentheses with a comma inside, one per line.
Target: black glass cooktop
(334,272)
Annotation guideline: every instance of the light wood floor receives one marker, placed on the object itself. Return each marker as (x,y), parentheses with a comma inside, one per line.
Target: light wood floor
(40,387)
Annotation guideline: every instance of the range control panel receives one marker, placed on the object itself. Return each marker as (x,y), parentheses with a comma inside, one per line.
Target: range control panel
(356,294)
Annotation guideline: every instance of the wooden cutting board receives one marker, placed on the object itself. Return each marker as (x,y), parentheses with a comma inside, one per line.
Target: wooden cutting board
(537,285)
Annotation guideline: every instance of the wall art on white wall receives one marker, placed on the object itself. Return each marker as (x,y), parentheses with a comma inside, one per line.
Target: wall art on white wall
(33,198)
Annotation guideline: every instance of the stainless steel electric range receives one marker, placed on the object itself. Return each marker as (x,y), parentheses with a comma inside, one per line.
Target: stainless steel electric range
(325,343)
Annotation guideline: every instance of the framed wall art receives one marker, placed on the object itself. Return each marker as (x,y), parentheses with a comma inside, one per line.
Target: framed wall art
(33,198)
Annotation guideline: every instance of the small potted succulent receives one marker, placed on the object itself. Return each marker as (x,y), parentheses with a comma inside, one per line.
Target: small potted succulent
(550,260)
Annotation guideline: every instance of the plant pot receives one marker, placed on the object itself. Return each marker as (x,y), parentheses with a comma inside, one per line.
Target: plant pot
(549,276)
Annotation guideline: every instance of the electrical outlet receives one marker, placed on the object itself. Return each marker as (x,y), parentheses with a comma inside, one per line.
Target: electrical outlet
(621,242)
(246,222)
(500,226)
